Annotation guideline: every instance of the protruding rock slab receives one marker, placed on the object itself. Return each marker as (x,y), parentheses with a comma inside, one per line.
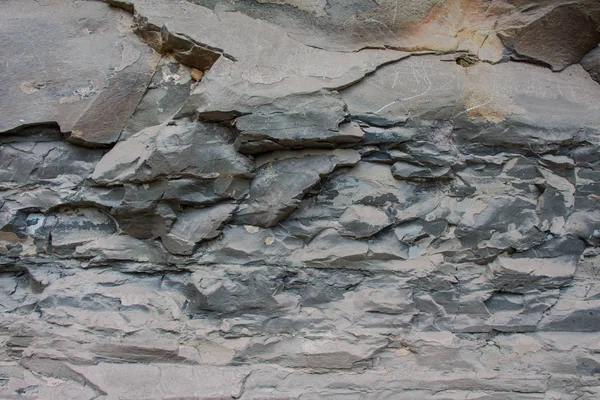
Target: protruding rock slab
(314,120)
(168,90)
(559,35)
(81,66)
(189,150)
(279,187)
(412,172)
(195,225)
(361,221)
(39,153)
(591,63)
(329,248)
(122,248)
(313,353)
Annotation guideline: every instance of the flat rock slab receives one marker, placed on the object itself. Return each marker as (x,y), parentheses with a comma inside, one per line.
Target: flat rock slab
(189,150)
(431,87)
(404,170)
(78,64)
(157,382)
(249,73)
(315,120)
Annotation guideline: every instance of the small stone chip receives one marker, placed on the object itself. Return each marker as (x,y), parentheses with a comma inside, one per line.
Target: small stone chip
(251,228)
(196,74)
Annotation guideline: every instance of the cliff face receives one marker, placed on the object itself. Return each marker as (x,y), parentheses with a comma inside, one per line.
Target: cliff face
(299,199)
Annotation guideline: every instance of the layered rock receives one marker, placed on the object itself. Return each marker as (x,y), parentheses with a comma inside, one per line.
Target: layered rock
(299,199)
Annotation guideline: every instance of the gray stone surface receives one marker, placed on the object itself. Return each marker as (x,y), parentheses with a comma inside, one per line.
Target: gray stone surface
(557,35)
(195,225)
(403,170)
(591,63)
(363,221)
(81,66)
(298,121)
(173,151)
(283,199)
(279,186)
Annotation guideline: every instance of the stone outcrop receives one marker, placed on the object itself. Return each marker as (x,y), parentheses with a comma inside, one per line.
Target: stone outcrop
(284,199)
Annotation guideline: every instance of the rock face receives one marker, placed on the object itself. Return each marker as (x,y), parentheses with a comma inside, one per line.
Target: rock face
(81,67)
(591,62)
(569,30)
(284,199)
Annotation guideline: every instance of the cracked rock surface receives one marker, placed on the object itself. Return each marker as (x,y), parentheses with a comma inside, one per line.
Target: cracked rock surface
(299,199)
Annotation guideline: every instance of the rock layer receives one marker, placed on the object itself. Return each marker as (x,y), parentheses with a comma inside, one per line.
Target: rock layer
(284,199)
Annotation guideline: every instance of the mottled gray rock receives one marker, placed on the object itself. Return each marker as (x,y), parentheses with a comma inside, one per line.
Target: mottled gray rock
(392,136)
(412,232)
(188,150)
(69,228)
(82,67)
(168,90)
(591,63)
(403,170)
(248,244)
(148,210)
(201,192)
(386,247)
(278,188)
(195,225)
(529,284)
(233,290)
(585,225)
(368,184)
(295,208)
(146,224)
(574,312)
(361,221)
(315,120)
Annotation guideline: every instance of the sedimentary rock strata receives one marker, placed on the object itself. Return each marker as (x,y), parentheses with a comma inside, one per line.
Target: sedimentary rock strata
(284,199)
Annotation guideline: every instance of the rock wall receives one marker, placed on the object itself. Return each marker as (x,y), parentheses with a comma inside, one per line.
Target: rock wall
(299,199)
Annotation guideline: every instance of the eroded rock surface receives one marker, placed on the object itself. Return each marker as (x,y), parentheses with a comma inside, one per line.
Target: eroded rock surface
(283,199)
(80,66)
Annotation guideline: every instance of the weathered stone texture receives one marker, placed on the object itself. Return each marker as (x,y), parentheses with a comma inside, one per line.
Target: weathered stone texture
(284,199)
